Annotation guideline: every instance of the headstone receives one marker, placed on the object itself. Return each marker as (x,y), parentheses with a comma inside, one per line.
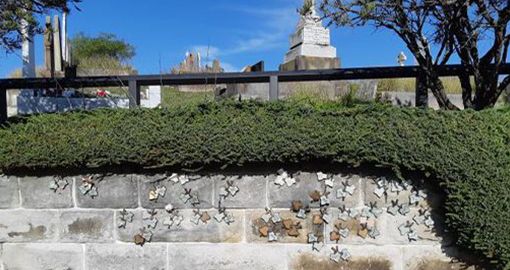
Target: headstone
(57,45)
(310,45)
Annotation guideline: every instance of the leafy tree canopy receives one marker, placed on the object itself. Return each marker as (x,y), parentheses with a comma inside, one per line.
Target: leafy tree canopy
(455,27)
(18,14)
(105,45)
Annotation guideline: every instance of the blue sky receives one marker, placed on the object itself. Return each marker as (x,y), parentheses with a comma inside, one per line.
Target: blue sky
(238,32)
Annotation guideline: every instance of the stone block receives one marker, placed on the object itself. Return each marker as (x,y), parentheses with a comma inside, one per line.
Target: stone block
(126,256)
(251,194)
(227,257)
(17,226)
(212,232)
(86,226)
(426,235)
(254,223)
(432,257)
(310,63)
(9,192)
(356,233)
(36,194)
(370,187)
(282,196)
(363,257)
(42,256)
(118,191)
(204,185)
(350,201)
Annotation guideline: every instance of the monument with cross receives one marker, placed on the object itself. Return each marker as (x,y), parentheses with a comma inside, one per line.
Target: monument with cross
(310,45)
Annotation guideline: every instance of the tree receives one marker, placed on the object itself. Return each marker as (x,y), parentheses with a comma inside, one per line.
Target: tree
(15,14)
(104,54)
(105,45)
(454,27)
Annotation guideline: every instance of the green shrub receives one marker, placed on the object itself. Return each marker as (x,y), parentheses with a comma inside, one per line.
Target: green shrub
(466,152)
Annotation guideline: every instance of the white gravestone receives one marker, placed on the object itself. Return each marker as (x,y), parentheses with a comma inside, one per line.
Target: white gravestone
(311,38)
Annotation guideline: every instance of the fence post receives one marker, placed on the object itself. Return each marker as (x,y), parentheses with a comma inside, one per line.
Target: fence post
(273,88)
(422,92)
(134,94)
(3,105)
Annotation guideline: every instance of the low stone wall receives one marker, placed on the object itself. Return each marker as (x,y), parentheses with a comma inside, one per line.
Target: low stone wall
(245,221)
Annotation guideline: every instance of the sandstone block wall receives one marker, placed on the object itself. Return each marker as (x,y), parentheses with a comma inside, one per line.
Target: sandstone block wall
(220,221)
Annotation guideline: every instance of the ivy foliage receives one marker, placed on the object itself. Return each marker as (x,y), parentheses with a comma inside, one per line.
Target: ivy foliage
(466,152)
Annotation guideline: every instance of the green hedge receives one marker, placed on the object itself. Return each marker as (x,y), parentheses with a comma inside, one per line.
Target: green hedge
(467,152)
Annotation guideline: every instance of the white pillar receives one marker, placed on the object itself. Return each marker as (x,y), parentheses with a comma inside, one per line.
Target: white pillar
(27,52)
(57,44)
(65,51)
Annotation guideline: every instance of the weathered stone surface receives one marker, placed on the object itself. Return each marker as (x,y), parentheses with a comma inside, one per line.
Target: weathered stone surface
(426,235)
(432,257)
(36,194)
(282,196)
(126,256)
(119,191)
(41,256)
(86,226)
(353,200)
(363,257)
(252,191)
(354,226)
(212,232)
(9,192)
(227,257)
(18,226)
(254,222)
(203,185)
(385,201)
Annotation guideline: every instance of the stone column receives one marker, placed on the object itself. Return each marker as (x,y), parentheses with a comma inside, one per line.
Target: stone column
(48,47)
(28,55)
(57,45)
(28,69)
(65,50)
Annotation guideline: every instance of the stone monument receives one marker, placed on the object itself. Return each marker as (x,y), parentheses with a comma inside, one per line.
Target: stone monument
(57,45)
(401,59)
(310,45)
(28,54)
(49,61)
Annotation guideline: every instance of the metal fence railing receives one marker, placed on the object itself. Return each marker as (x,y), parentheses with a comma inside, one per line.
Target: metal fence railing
(272,77)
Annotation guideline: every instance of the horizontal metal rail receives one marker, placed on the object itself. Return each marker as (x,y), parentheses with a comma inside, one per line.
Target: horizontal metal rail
(227,78)
(134,82)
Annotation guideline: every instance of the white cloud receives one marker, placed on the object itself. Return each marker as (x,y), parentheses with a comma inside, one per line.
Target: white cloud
(229,67)
(271,29)
(276,26)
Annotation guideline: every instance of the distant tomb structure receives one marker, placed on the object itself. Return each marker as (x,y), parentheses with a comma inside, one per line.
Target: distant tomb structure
(310,45)
(192,63)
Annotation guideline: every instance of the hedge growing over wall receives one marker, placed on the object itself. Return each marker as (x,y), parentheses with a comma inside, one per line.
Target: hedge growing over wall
(467,152)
